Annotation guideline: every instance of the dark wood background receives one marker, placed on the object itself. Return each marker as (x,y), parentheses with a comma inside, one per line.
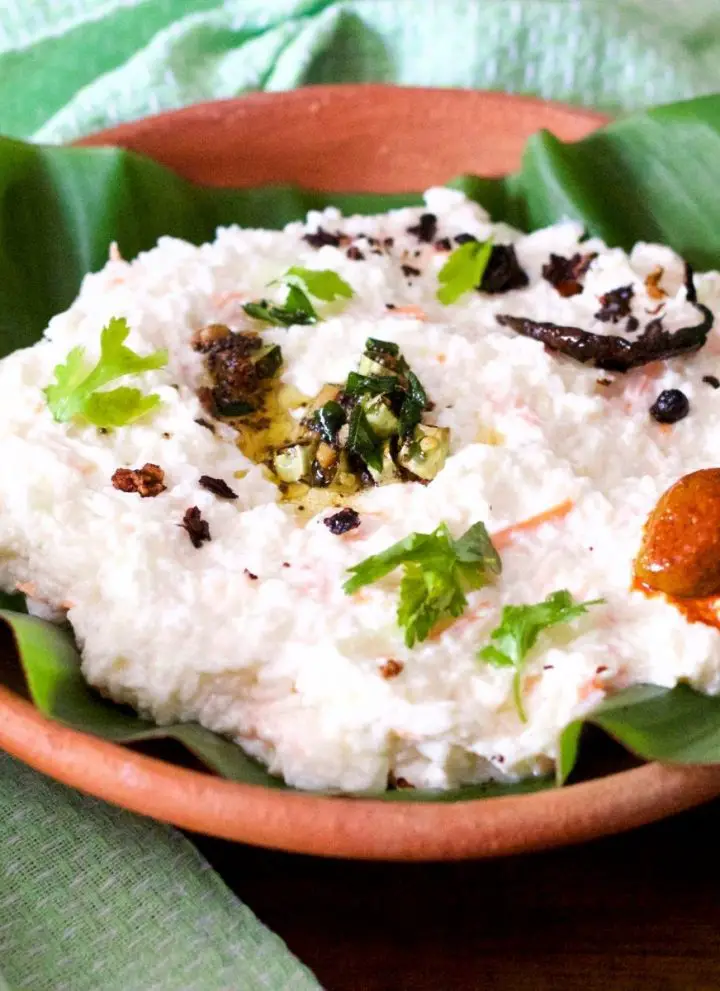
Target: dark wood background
(638,911)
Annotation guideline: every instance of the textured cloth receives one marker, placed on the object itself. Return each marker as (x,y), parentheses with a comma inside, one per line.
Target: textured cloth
(92,898)
(68,67)
(96,899)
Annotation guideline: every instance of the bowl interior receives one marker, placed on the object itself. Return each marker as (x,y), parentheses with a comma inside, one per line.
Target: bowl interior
(350,139)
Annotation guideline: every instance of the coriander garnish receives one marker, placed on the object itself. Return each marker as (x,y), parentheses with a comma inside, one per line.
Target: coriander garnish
(463,270)
(74,394)
(437,571)
(519,628)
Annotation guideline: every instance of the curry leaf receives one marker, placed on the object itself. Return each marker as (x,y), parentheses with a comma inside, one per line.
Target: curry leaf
(297,309)
(362,441)
(476,556)
(297,303)
(381,349)
(328,420)
(646,177)
(374,385)
(413,404)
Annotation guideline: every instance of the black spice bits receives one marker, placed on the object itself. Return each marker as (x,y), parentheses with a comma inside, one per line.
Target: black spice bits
(396,784)
(670,406)
(615,305)
(240,367)
(712,380)
(564,274)
(503,271)
(409,271)
(217,486)
(343,521)
(354,253)
(426,229)
(320,238)
(197,529)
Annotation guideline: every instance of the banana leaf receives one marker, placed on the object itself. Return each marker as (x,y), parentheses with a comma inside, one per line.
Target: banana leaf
(647,177)
(675,725)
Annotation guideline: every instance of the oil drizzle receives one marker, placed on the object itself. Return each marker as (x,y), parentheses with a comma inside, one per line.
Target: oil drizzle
(271,427)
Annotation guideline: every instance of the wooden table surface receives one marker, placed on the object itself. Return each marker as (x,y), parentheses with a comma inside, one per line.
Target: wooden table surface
(629,913)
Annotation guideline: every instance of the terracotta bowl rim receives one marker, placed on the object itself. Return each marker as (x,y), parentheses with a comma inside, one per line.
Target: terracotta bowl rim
(357,828)
(339,826)
(229,105)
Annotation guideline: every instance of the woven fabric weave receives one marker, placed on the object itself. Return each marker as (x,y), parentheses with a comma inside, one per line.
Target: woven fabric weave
(93,898)
(68,67)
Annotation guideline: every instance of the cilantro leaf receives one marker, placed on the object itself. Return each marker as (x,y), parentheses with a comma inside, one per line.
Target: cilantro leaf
(64,396)
(118,407)
(415,547)
(302,283)
(437,571)
(322,284)
(362,441)
(476,554)
(426,595)
(519,629)
(463,270)
(74,391)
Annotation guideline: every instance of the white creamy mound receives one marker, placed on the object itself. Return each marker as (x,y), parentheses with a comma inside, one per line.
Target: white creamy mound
(286,663)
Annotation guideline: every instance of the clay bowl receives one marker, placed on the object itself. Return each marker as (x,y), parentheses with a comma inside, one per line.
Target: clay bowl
(348,138)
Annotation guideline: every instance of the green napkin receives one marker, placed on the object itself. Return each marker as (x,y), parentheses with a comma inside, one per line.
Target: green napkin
(68,67)
(92,898)
(96,899)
